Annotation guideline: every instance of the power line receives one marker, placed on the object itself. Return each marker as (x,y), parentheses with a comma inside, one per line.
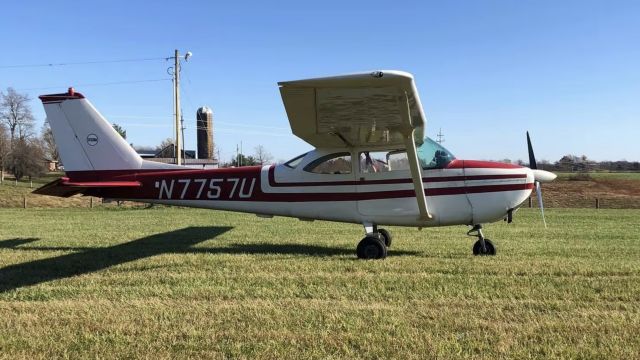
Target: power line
(80,63)
(216,122)
(98,84)
(217,129)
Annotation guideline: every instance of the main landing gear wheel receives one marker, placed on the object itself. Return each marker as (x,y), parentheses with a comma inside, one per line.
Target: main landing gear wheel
(482,246)
(386,237)
(489,249)
(371,247)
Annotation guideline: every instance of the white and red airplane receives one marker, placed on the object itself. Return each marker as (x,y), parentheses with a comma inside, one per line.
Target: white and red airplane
(372,165)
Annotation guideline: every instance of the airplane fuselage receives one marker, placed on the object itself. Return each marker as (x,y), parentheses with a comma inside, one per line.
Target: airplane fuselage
(465,192)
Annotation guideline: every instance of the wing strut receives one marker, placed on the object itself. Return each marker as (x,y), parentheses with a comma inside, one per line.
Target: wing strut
(414,165)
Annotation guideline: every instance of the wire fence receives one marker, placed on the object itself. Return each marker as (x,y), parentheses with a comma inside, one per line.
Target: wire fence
(18,194)
(586,202)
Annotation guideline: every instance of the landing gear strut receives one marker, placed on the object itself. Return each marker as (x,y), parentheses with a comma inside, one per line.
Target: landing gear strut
(482,246)
(375,243)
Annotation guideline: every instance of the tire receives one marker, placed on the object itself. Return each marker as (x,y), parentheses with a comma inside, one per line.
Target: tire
(386,237)
(490,249)
(371,248)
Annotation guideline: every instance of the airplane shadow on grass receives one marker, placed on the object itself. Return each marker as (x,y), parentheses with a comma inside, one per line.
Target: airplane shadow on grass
(91,259)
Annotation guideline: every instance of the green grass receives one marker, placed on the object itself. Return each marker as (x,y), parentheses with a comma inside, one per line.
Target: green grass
(174,283)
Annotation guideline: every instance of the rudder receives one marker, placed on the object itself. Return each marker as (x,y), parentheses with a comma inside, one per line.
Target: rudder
(85,139)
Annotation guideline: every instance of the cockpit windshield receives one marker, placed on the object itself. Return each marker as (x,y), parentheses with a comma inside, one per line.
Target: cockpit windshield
(433,156)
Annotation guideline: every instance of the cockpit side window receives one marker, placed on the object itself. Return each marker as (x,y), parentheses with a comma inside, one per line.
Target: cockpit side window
(338,163)
(293,163)
(383,161)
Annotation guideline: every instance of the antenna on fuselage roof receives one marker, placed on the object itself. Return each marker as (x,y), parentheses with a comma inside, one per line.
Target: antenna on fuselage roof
(440,137)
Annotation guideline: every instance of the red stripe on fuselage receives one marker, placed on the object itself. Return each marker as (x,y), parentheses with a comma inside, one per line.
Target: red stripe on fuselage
(243,184)
(479,164)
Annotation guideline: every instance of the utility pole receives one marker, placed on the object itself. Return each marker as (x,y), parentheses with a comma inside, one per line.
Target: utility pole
(440,136)
(182,130)
(176,101)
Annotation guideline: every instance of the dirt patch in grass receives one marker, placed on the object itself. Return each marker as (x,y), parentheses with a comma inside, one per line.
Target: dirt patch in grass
(611,192)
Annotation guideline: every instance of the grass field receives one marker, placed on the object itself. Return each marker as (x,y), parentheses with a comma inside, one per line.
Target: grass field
(172,282)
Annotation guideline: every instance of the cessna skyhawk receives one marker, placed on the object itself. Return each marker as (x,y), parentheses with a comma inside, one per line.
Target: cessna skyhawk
(372,165)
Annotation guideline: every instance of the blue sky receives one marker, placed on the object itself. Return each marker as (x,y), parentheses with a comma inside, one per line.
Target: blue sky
(487,71)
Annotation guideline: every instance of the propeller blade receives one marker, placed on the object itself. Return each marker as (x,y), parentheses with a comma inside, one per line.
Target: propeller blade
(539,194)
(532,158)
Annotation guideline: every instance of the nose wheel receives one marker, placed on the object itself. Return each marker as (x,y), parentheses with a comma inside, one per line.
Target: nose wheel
(483,246)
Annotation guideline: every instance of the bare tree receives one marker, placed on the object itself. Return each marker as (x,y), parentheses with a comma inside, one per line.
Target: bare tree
(166,149)
(26,159)
(15,113)
(5,148)
(166,142)
(49,144)
(261,155)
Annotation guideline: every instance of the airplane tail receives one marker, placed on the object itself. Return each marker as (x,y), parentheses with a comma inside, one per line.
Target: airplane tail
(87,144)
(85,139)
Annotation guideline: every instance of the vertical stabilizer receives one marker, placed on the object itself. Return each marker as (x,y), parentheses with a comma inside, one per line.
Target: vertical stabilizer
(85,139)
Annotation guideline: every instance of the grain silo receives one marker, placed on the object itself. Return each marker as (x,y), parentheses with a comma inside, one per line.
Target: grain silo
(204,124)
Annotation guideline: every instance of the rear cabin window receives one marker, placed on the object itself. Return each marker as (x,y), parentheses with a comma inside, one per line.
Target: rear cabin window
(339,163)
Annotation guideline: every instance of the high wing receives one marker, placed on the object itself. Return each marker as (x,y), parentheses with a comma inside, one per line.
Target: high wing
(376,110)
(373,109)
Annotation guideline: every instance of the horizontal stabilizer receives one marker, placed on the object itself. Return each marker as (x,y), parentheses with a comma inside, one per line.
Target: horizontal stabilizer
(100,184)
(55,188)
(63,187)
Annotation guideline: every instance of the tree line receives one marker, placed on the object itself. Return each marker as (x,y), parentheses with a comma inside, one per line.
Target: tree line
(575,163)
